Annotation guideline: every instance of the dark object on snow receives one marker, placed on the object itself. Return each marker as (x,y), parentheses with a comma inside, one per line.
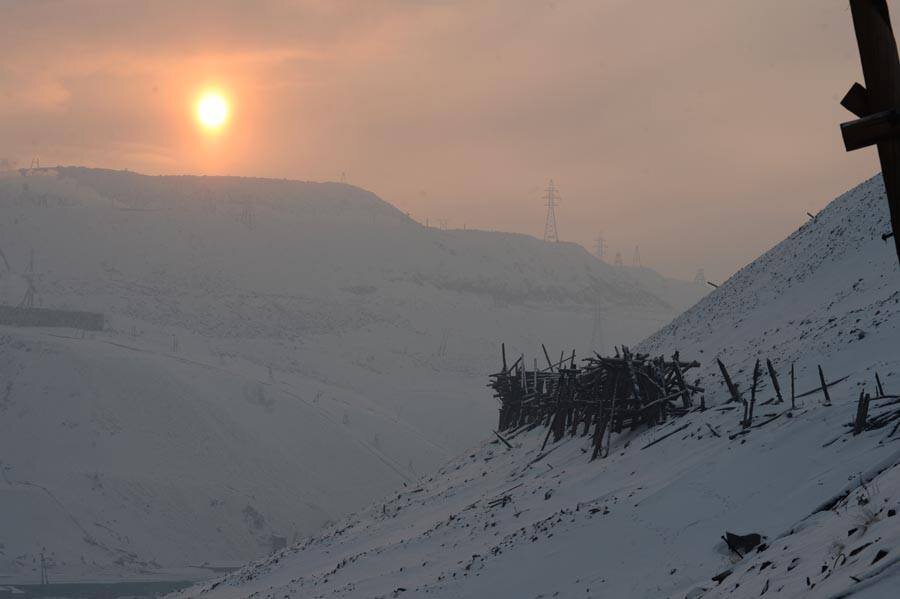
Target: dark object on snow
(862,412)
(505,442)
(824,386)
(602,396)
(741,544)
(721,576)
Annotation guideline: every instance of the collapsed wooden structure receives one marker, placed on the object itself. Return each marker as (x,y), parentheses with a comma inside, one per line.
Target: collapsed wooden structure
(603,395)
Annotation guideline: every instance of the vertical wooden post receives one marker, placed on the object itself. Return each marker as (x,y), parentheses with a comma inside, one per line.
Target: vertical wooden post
(824,386)
(881,69)
(749,413)
(862,412)
(793,393)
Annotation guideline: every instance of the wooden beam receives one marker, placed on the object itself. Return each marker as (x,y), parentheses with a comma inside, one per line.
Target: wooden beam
(857,101)
(881,70)
(871,130)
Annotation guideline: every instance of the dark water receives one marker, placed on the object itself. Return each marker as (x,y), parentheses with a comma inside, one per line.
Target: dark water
(92,590)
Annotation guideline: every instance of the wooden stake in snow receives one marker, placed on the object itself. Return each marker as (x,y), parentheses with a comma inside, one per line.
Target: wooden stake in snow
(878,103)
(793,392)
(862,412)
(748,419)
(774,376)
(824,386)
(732,390)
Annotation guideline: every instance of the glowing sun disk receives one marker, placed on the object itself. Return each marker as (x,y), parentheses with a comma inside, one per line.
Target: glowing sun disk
(212,110)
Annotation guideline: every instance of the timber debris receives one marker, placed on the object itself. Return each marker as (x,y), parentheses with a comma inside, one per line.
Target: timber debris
(599,397)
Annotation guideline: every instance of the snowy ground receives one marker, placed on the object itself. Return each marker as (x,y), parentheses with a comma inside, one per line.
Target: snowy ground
(648,520)
(277,354)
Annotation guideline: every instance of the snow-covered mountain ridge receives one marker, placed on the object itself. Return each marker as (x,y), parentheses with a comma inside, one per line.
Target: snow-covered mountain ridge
(647,521)
(276,354)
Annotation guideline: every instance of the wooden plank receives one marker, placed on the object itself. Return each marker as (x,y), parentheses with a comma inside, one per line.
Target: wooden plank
(857,101)
(871,130)
(819,389)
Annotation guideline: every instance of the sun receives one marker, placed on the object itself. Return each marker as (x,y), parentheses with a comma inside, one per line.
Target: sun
(212,110)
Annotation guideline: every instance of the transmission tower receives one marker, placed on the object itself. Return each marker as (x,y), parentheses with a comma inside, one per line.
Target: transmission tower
(618,262)
(600,246)
(700,277)
(636,258)
(552,197)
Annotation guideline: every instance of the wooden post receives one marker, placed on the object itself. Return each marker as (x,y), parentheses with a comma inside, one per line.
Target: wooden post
(793,393)
(879,388)
(774,377)
(879,102)
(735,396)
(824,386)
(749,418)
(862,412)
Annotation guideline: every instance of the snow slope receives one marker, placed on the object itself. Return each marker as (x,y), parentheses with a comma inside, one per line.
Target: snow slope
(647,521)
(277,354)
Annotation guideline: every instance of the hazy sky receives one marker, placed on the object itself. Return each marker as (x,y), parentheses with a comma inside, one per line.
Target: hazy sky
(701,130)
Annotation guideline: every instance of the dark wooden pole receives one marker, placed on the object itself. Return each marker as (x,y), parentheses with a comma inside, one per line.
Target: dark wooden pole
(881,69)
(793,392)
(824,387)
(774,377)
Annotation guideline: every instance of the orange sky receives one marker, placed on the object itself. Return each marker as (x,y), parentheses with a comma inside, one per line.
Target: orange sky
(702,130)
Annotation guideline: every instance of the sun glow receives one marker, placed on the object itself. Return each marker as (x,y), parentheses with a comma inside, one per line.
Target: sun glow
(212,111)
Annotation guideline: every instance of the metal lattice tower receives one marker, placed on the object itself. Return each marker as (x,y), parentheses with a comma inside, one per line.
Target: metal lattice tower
(618,262)
(700,277)
(636,259)
(600,246)
(552,197)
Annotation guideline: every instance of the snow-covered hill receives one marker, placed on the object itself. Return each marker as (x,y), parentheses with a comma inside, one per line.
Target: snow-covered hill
(648,520)
(276,354)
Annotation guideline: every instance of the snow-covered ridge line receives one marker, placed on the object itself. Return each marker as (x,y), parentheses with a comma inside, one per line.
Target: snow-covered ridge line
(648,523)
(276,354)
